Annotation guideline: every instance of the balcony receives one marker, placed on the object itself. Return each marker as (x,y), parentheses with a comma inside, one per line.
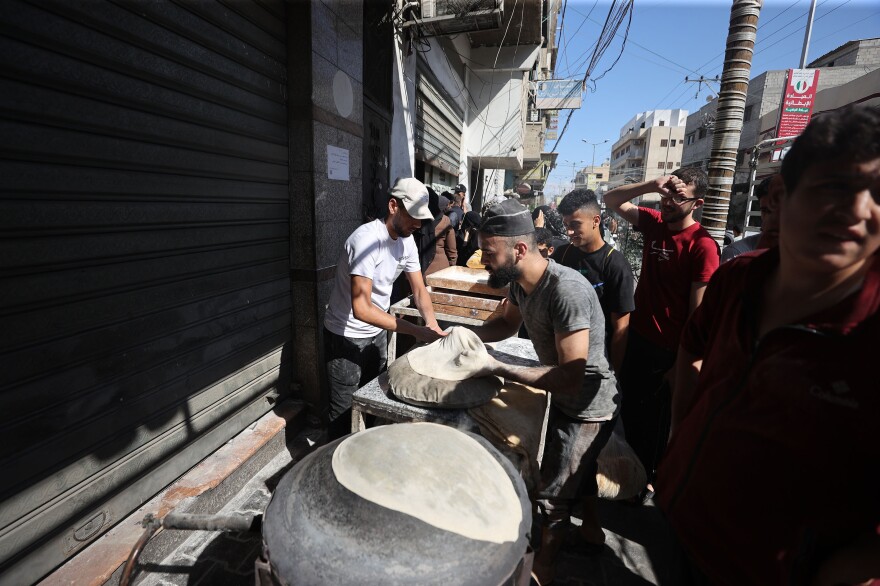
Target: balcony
(527,12)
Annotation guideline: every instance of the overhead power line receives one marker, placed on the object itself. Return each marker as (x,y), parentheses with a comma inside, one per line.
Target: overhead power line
(639,45)
(831,34)
(818,18)
(771,34)
(617,13)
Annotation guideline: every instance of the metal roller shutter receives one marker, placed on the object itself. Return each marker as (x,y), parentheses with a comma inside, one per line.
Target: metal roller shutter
(144,254)
(438,128)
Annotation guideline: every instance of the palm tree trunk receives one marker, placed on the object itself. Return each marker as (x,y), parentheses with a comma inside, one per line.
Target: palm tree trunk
(729,115)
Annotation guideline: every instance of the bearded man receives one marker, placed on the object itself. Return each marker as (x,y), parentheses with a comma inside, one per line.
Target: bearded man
(564,318)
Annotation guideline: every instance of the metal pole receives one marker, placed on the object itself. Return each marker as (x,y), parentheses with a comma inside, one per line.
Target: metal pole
(593,160)
(807,34)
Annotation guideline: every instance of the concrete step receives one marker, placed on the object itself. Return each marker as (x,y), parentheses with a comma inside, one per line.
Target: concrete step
(205,489)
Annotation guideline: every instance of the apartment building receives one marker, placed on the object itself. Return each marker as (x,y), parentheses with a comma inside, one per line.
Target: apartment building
(594,177)
(845,64)
(649,146)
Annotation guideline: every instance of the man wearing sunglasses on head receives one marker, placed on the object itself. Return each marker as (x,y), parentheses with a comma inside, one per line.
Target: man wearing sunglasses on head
(678,259)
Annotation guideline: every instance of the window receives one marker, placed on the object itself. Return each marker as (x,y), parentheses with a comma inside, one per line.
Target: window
(664,142)
(663,123)
(642,125)
(661,165)
(678,164)
(669,164)
(747,115)
(598,176)
(673,142)
(690,138)
(702,134)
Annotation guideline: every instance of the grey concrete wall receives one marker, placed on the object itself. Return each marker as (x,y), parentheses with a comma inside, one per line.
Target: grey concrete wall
(700,148)
(765,95)
(326,109)
(869,53)
(865,52)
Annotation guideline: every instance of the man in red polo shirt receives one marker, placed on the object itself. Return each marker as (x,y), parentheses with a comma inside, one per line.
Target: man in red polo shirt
(772,475)
(678,258)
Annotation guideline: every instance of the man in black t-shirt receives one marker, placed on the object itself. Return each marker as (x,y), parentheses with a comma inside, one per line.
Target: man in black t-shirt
(603,266)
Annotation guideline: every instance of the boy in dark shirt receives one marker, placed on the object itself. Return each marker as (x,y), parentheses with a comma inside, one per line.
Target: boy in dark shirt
(604,267)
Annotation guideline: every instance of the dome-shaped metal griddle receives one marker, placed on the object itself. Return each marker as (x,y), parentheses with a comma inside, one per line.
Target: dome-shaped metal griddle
(316,531)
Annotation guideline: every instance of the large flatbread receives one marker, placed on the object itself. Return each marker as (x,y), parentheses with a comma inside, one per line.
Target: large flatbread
(434,473)
(457,356)
(416,389)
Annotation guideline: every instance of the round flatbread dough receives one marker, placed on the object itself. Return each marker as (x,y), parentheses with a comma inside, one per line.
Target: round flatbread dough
(458,356)
(434,473)
(416,389)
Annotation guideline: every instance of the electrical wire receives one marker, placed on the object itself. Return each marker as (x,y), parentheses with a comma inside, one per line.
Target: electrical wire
(617,13)
(565,41)
(817,19)
(764,39)
(669,93)
(563,51)
(651,51)
(822,38)
(758,42)
(425,44)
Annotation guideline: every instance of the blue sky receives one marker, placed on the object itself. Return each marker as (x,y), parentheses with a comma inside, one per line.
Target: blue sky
(668,41)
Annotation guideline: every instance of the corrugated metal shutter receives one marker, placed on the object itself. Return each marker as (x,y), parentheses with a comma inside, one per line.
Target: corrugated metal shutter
(144,254)
(438,128)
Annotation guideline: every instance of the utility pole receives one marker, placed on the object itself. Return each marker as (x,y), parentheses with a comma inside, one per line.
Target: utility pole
(729,115)
(593,159)
(594,145)
(700,81)
(807,34)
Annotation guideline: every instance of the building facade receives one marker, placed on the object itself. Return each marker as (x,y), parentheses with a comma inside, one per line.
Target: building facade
(650,145)
(846,75)
(475,122)
(594,177)
(179,181)
(839,67)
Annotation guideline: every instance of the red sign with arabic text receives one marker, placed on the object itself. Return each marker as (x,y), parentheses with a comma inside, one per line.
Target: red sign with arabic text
(797,101)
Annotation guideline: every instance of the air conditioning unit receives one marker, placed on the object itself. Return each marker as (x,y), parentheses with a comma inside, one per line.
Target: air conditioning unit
(451,17)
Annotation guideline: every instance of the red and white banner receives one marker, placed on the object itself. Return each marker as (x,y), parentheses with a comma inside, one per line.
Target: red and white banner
(797,101)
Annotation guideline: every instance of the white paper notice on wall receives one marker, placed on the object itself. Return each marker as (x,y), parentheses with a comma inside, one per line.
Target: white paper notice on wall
(337,163)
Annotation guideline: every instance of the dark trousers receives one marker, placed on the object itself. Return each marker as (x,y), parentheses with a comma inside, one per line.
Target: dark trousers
(646,404)
(570,464)
(351,363)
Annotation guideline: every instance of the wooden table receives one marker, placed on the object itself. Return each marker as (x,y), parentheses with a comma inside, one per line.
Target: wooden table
(460,295)
(376,399)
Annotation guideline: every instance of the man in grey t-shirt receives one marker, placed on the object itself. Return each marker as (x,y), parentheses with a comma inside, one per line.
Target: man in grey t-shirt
(560,310)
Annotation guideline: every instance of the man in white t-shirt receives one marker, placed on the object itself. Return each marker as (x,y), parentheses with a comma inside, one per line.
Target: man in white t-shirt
(357,318)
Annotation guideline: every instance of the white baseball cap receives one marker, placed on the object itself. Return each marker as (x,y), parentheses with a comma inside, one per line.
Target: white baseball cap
(414,196)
